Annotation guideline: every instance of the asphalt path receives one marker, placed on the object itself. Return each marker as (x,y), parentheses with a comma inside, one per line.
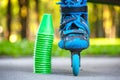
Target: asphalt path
(91,69)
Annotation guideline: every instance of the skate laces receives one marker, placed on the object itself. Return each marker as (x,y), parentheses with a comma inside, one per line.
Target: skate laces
(74,22)
(66,18)
(71,3)
(74,15)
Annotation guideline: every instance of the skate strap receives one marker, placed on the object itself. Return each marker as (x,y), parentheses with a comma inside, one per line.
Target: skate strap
(73,9)
(64,33)
(67,21)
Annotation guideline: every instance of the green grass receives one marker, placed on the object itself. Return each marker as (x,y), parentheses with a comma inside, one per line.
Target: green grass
(93,50)
(102,50)
(17,49)
(26,48)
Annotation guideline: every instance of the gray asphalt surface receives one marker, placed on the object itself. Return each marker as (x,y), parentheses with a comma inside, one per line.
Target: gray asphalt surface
(92,69)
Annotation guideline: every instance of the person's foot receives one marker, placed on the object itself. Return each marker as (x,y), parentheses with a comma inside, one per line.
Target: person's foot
(74,30)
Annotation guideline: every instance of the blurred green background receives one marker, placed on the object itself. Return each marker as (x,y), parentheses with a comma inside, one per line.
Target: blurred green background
(19,21)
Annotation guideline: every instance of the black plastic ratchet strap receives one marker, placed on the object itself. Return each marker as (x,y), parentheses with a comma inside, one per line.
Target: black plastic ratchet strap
(73,9)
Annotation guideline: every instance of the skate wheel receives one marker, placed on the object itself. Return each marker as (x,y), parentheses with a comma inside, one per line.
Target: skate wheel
(75,64)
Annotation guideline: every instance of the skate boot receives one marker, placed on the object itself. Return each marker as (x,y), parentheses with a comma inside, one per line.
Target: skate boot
(74,30)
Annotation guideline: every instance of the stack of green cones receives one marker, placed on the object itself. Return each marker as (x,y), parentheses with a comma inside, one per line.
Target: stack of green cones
(43,46)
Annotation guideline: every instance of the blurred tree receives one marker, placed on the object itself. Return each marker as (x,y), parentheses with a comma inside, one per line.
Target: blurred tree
(109,23)
(23,14)
(114,2)
(37,9)
(99,31)
(97,21)
(117,21)
(9,19)
(114,22)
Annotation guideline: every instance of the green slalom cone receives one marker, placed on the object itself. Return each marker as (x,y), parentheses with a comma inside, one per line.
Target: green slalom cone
(43,46)
(46,26)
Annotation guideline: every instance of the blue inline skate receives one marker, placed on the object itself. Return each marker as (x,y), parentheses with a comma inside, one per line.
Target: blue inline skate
(74,30)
